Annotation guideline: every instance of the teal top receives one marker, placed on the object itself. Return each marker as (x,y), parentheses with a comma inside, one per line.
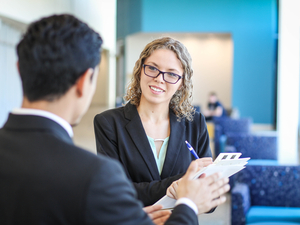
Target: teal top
(162,153)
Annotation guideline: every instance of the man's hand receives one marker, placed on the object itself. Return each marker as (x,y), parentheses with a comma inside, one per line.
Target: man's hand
(205,192)
(157,215)
(201,163)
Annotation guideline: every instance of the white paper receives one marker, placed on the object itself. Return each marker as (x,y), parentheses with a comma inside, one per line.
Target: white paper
(224,165)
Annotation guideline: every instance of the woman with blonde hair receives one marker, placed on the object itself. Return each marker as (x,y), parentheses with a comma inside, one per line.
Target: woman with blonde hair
(148,134)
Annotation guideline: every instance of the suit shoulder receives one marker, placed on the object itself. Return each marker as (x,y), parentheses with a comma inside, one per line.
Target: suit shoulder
(110,165)
(110,114)
(99,158)
(90,161)
(77,153)
(197,118)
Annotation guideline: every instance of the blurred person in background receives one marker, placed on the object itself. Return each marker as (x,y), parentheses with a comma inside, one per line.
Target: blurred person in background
(214,108)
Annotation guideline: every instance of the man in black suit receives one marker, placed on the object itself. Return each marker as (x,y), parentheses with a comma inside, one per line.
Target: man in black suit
(44,177)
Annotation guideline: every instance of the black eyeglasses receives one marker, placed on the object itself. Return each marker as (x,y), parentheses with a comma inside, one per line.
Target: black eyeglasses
(168,77)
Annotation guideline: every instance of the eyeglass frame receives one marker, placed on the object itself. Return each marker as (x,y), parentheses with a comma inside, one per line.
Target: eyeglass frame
(163,74)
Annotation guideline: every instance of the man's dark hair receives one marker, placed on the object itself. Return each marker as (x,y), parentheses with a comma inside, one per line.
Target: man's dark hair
(53,53)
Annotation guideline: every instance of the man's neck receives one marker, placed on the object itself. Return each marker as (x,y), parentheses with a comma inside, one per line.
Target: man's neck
(57,107)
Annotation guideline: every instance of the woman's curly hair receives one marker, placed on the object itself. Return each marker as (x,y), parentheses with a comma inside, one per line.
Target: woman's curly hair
(181,101)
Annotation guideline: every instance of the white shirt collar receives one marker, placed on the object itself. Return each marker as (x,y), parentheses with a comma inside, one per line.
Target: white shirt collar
(46,114)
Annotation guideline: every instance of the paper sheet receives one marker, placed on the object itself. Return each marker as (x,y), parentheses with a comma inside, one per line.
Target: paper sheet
(226,163)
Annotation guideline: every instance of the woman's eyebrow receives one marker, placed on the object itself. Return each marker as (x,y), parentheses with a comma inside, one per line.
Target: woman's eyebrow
(154,64)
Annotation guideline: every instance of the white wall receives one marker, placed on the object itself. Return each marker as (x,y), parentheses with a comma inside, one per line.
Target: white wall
(288,81)
(101,94)
(99,14)
(212,56)
(10,82)
(16,14)
(27,11)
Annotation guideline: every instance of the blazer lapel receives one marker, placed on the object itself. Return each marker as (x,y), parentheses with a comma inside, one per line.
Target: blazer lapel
(138,136)
(174,146)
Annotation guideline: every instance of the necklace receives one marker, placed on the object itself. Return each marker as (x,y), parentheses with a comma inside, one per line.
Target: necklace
(158,140)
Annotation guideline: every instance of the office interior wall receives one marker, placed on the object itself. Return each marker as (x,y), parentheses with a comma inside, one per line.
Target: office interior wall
(10,84)
(99,14)
(128,12)
(212,58)
(288,81)
(100,97)
(27,11)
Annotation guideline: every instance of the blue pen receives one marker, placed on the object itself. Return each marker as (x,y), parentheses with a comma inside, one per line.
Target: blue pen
(191,150)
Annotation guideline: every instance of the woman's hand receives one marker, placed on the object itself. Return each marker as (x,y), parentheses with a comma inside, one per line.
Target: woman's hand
(203,162)
(171,191)
(157,215)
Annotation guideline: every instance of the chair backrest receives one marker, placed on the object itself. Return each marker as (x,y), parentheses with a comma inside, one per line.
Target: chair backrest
(234,125)
(254,146)
(272,185)
(225,125)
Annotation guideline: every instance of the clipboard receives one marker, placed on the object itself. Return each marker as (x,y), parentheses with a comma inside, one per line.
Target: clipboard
(227,164)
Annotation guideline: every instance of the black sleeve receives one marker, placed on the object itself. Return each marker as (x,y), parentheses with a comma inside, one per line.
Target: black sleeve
(106,142)
(203,149)
(111,199)
(151,192)
(106,139)
(182,214)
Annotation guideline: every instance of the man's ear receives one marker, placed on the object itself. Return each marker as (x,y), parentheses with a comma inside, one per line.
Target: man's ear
(18,66)
(82,81)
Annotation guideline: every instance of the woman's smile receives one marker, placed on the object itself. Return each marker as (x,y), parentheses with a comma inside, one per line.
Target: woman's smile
(156,90)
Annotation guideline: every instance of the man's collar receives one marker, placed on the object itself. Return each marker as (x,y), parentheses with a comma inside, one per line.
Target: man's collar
(46,114)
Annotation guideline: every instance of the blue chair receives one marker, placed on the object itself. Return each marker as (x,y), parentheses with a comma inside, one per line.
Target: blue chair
(266,194)
(273,223)
(228,125)
(253,146)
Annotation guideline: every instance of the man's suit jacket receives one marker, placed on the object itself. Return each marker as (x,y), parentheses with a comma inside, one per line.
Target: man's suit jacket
(120,135)
(45,179)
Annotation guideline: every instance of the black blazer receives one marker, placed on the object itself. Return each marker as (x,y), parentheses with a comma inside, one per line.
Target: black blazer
(120,135)
(45,179)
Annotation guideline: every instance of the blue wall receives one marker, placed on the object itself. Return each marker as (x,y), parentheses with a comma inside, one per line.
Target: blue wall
(253,25)
(129,17)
